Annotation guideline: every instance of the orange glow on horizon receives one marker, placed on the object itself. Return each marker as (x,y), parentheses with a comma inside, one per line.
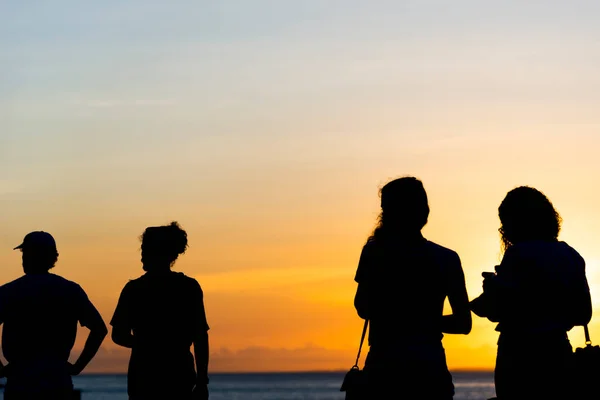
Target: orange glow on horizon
(267,138)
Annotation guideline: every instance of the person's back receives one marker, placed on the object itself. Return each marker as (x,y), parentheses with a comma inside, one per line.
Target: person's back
(164,320)
(159,316)
(40,312)
(536,295)
(40,325)
(546,277)
(408,284)
(403,280)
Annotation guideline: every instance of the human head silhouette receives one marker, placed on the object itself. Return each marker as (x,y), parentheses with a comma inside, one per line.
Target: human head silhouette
(39,252)
(404,208)
(527,214)
(161,245)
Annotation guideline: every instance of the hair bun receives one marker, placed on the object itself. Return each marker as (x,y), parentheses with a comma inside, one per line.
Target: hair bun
(177,238)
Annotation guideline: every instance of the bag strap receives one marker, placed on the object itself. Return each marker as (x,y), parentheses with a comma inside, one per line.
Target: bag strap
(362,340)
(588,341)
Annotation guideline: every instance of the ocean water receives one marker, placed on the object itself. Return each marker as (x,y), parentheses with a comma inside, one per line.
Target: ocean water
(276,386)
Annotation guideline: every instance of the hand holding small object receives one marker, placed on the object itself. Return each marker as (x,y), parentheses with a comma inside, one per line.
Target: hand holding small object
(488,278)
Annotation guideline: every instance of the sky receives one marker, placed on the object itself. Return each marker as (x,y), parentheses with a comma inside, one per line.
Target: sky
(266,127)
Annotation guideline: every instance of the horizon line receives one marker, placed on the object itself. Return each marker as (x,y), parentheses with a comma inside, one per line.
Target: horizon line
(270,372)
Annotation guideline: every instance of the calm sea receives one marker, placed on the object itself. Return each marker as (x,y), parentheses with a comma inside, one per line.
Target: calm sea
(284,386)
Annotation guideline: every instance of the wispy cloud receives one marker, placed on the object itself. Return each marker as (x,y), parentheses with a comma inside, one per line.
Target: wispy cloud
(249,359)
(269,359)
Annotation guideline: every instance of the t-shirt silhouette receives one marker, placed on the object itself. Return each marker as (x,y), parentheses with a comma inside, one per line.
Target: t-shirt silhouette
(537,285)
(405,283)
(40,313)
(539,293)
(408,282)
(165,311)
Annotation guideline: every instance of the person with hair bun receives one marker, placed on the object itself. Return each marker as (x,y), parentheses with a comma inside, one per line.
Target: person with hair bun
(159,316)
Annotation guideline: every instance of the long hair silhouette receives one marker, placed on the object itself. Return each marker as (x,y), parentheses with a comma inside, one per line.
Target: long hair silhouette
(404,208)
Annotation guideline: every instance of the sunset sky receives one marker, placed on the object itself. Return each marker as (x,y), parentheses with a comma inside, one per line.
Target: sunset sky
(266,127)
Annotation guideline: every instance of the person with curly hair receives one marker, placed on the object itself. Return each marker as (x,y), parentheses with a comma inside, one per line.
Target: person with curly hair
(159,316)
(536,295)
(403,280)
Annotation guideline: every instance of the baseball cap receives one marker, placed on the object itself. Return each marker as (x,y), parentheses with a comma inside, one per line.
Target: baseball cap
(38,240)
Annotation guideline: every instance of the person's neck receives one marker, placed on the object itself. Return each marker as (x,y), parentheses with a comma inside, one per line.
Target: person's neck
(28,272)
(408,236)
(158,269)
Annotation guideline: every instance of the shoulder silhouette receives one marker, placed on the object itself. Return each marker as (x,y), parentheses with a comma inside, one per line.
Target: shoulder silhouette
(536,295)
(40,312)
(403,280)
(159,316)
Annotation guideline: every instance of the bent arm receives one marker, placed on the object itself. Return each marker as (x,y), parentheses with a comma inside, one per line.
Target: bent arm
(459,322)
(91,347)
(121,320)
(98,332)
(501,296)
(363,277)
(585,311)
(582,313)
(90,318)
(482,307)
(487,305)
(201,356)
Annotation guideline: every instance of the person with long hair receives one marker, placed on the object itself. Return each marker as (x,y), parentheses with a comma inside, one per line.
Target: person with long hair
(536,295)
(159,316)
(403,281)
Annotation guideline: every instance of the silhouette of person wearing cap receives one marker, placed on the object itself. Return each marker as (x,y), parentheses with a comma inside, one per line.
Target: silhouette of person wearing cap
(40,312)
(159,316)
